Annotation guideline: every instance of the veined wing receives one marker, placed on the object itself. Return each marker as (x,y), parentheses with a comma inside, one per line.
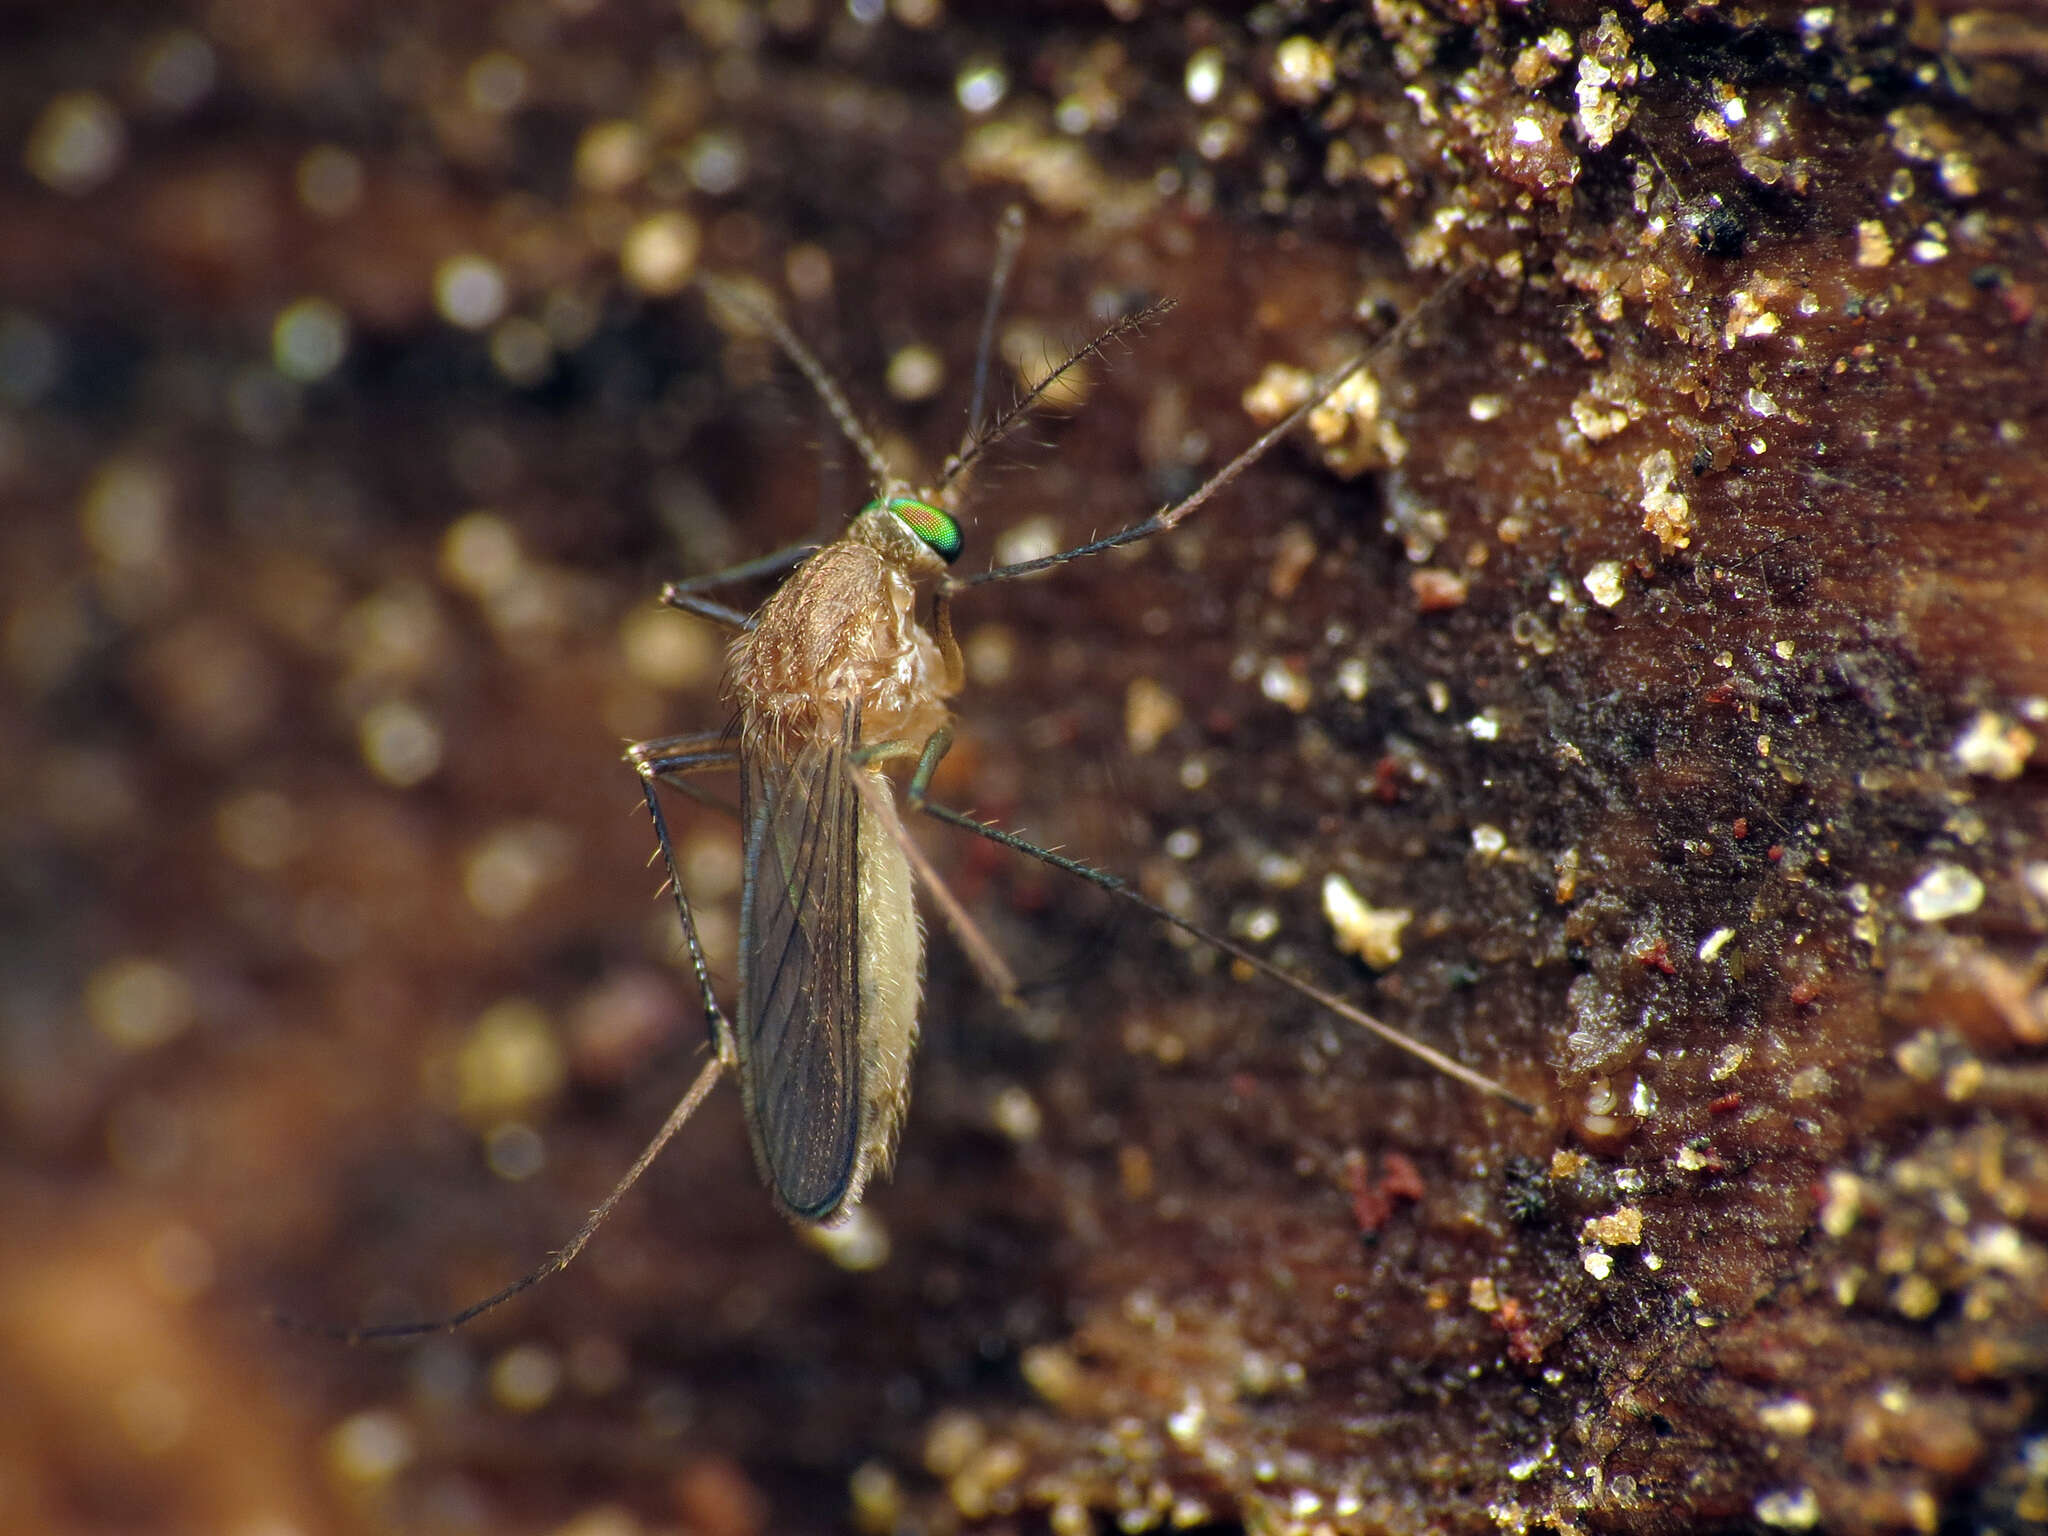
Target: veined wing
(798,1034)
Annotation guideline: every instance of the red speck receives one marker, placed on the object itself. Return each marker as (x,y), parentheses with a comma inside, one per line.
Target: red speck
(1720,693)
(1725,1103)
(1386,780)
(1243,1085)
(1804,993)
(1740,826)
(1512,1321)
(1372,1204)
(2019,302)
(1657,956)
(1775,852)
(1399,1178)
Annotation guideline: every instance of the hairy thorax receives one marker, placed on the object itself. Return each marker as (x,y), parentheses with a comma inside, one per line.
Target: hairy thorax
(842,630)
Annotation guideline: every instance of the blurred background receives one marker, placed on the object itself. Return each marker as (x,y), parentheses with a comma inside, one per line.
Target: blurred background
(1632,686)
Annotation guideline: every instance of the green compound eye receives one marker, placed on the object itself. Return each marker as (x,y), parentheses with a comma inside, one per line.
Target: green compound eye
(932,524)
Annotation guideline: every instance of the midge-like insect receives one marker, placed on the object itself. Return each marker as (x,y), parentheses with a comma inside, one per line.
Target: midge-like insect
(836,679)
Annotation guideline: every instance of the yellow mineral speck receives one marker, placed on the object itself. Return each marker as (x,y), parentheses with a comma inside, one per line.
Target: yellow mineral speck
(951,1441)
(76,144)
(610,156)
(509,1063)
(660,252)
(975,1488)
(1482,1295)
(1286,685)
(139,1003)
(1946,890)
(525,1378)
(1348,428)
(1597,1262)
(1993,746)
(1749,319)
(370,1448)
(1841,1204)
(1150,711)
(1667,515)
(1958,173)
(1304,71)
(1014,1113)
(1280,388)
(1619,1228)
(1596,419)
(1916,1296)
(877,1499)
(1919,1056)
(1371,933)
(1794,1509)
(1873,244)
(915,373)
(1203,78)
(400,742)
(1052,1372)
(1791,1417)
(1606,583)
(1963,1081)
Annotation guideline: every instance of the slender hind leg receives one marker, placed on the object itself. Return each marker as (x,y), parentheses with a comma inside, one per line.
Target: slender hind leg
(917,796)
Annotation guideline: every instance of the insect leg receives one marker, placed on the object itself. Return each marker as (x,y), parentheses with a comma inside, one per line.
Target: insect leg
(654,765)
(672,758)
(916,794)
(746,570)
(557,1261)
(1166,517)
(987,961)
(704,608)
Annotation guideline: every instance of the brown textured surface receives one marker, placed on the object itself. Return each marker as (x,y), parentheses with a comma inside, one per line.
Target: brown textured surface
(1171,1247)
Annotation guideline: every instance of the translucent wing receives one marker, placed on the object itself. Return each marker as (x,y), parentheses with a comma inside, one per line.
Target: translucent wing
(798,1034)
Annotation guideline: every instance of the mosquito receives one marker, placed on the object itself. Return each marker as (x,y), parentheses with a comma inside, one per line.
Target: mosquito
(834,681)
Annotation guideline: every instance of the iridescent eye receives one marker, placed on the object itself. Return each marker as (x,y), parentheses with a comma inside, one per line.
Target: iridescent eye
(933,524)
